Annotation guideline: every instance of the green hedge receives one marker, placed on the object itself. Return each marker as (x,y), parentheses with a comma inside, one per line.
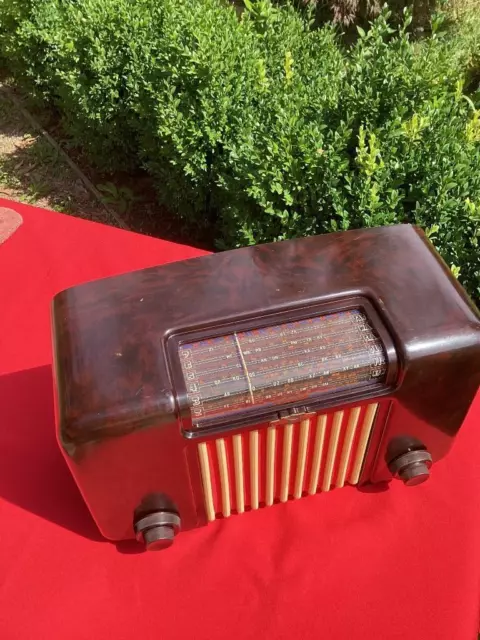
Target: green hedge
(263,128)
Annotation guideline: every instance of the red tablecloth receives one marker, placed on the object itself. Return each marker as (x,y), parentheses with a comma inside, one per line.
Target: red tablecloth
(400,563)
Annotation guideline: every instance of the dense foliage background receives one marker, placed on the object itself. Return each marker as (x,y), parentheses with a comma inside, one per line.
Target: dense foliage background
(260,125)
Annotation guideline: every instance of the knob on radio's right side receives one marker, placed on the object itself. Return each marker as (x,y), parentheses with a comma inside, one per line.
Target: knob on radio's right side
(409,460)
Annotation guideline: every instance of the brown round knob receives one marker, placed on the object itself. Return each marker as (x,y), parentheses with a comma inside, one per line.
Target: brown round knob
(412,467)
(157,530)
(158,538)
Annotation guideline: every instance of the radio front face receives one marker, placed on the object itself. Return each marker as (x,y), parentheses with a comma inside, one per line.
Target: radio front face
(283,406)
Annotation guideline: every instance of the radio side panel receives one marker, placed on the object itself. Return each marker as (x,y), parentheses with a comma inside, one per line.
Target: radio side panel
(116,475)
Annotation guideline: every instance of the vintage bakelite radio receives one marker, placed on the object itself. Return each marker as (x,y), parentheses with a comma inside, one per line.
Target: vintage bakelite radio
(205,388)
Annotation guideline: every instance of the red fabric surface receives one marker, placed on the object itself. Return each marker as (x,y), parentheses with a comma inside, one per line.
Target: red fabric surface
(351,564)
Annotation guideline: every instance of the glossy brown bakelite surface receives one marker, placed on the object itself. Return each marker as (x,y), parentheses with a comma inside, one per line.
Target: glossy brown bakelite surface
(115,371)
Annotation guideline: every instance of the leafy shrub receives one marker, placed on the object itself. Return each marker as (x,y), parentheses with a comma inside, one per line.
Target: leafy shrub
(78,56)
(196,79)
(261,127)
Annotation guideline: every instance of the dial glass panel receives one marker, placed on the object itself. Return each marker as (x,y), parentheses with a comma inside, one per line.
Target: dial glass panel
(281,364)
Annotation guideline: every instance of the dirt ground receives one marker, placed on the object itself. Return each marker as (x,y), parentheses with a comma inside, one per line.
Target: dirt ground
(32,171)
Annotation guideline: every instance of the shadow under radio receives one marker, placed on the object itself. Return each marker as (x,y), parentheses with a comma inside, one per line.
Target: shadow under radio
(33,474)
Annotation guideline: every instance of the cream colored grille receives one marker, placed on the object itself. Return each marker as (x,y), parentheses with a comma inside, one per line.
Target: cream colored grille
(280,462)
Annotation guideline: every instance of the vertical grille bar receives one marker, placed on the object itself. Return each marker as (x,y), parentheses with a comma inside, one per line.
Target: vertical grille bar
(206,480)
(332,450)
(270,463)
(302,458)
(347,446)
(239,482)
(317,454)
(362,444)
(286,462)
(224,480)
(254,469)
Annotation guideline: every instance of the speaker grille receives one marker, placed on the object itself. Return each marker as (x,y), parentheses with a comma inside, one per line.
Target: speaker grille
(274,463)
